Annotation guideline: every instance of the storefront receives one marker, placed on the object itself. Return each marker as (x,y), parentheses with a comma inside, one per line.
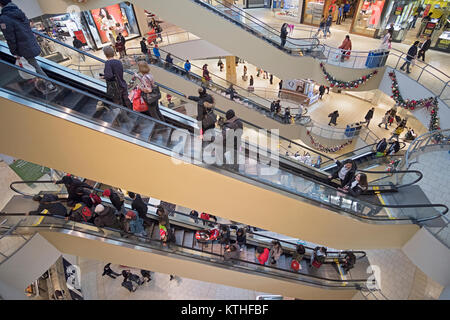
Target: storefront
(290,10)
(368,17)
(313,11)
(95,28)
(248,4)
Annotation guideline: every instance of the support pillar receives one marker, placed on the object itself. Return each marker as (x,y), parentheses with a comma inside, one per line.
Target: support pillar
(230,63)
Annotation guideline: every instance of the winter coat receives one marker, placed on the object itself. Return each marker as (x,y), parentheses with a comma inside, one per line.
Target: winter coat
(350,174)
(369,114)
(139,205)
(275,253)
(17,31)
(228,255)
(329,20)
(346,44)
(144,48)
(56,209)
(411,53)
(116,201)
(77,44)
(241,239)
(333,116)
(381,146)
(136,225)
(107,218)
(263,257)
(201,99)
(356,190)
(234,124)
(426,45)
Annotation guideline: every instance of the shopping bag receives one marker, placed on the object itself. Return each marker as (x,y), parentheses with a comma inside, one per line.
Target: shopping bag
(139,104)
(23,63)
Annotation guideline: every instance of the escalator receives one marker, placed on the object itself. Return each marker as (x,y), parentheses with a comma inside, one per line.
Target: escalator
(329,280)
(221,25)
(151,165)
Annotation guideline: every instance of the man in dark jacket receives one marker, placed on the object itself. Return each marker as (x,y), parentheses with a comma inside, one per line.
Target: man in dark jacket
(369,116)
(74,189)
(345,171)
(144,48)
(381,145)
(106,217)
(283,34)
(232,128)
(77,44)
(321,91)
(50,203)
(115,199)
(425,46)
(139,205)
(21,41)
(204,102)
(412,52)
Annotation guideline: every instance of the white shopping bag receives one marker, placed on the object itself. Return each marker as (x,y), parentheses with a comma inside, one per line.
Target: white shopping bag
(23,63)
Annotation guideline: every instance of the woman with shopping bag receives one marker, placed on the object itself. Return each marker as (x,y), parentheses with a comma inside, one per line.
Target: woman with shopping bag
(146,95)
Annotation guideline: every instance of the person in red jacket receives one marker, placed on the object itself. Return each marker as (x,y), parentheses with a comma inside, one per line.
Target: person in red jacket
(346,48)
(262,254)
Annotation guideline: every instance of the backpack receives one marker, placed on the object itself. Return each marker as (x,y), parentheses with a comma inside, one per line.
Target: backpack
(81,213)
(95,199)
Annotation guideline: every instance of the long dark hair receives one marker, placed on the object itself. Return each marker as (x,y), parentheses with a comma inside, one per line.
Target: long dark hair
(108,16)
(363,180)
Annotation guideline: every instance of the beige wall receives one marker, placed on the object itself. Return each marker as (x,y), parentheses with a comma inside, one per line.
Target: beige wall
(188,268)
(185,13)
(44,139)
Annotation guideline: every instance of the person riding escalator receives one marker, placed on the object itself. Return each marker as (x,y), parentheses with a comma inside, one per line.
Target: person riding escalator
(345,171)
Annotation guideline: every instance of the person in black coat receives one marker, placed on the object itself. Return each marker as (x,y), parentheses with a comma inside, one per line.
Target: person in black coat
(75,189)
(355,186)
(369,116)
(144,48)
(283,34)
(381,145)
(115,199)
(333,118)
(345,171)
(203,97)
(21,41)
(425,46)
(224,236)
(393,148)
(106,217)
(321,91)
(50,203)
(139,205)
(241,238)
(412,52)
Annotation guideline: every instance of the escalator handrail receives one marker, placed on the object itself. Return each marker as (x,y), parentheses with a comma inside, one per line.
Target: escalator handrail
(75,224)
(154,206)
(420,176)
(64,85)
(97,58)
(256,21)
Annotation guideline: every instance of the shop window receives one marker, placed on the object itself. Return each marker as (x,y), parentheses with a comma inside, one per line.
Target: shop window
(368,17)
(312,13)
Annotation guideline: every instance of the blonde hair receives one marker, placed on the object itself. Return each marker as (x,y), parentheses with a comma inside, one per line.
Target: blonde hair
(143,66)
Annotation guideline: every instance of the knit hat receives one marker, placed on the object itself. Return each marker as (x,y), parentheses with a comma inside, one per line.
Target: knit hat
(107,193)
(230,114)
(4,2)
(99,208)
(131,214)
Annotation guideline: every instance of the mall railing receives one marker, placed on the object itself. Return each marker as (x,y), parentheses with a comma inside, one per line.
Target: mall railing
(116,237)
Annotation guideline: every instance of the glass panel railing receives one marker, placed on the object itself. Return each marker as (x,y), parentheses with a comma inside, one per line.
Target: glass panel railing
(180,251)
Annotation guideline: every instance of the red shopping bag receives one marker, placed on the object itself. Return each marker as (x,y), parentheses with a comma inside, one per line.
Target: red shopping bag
(139,104)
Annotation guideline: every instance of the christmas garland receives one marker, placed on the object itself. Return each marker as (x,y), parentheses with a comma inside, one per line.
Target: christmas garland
(346,84)
(430,103)
(326,149)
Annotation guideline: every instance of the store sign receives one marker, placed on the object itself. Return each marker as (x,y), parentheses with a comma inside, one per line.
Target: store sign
(443,44)
(429,28)
(398,11)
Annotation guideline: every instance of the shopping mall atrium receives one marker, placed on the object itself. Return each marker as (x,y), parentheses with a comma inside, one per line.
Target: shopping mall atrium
(224,150)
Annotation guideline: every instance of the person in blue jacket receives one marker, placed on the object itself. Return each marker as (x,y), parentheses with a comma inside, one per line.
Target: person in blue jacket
(187,67)
(157,53)
(19,36)
(346,10)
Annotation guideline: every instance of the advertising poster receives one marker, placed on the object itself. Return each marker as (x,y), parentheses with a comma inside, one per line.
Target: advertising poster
(109,22)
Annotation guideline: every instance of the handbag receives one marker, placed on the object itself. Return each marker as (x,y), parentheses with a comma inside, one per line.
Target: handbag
(23,63)
(209,120)
(139,103)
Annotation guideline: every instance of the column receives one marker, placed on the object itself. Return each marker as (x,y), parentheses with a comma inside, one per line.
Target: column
(230,64)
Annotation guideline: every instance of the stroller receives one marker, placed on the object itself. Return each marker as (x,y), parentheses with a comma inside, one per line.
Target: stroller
(205,236)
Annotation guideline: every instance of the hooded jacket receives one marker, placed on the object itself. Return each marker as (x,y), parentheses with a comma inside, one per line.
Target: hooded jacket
(107,218)
(17,31)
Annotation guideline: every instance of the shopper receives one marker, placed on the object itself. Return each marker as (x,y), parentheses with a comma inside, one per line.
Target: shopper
(73,186)
(187,68)
(157,55)
(135,224)
(271,79)
(205,102)
(109,272)
(424,48)
(150,91)
(381,145)
(220,64)
(262,254)
(393,148)
(322,26)
(328,25)
(355,186)
(283,34)
(51,203)
(163,215)
(169,61)
(412,52)
(251,82)
(231,251)
(224,236)
(77,44)
(115,199)
(280,86)
(21,41)
(206,78)
(346,48)
(349,261)
(386,43)
(232,129)
(345,171)
(230,91)
(340,13)
(346,9)
(139,205)
(241,238)
(106,217)
(144,48)
(369,116)
(333,117)
(299,253)
(287,116)
(194,215)
(321,91)
(275,252)
(132,277)
(116,87)
(385,120)
(120,45)
(318,257)
(397,132)
(146,275)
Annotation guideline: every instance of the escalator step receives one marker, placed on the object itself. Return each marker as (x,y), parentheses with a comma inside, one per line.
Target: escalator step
(217,248)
